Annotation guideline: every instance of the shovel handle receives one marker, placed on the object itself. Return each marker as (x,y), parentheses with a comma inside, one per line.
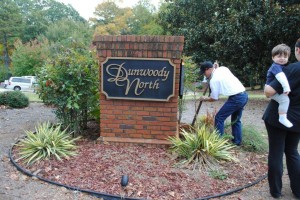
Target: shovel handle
(200,104)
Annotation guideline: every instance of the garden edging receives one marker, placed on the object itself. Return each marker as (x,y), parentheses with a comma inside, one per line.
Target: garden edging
(105,196)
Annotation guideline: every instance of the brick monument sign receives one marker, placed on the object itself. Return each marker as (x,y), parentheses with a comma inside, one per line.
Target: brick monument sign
(139,81)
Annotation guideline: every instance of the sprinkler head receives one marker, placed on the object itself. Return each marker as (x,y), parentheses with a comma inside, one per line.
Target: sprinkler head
(124,180)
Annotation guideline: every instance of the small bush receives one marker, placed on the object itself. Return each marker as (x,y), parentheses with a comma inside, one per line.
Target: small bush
(3,98)
(202,148)
(46,142)
(218,174)
(14,99)
(254,140)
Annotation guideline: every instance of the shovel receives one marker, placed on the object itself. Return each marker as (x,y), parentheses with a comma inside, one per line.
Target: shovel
(200,104)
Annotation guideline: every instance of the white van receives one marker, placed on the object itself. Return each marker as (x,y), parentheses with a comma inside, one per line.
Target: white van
(20,83)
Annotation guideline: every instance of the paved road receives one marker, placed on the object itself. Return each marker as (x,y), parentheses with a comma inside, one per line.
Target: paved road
(3,89)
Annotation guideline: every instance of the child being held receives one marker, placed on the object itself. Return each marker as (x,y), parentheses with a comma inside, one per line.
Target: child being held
(280,56)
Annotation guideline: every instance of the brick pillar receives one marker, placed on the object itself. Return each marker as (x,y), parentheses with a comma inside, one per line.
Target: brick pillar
(130,121)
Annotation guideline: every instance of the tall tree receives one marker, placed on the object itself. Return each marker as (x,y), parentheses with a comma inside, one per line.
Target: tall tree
(27,59)
(56,11)
(111,19)
(238,33)
(38,15)
(106,12)
(10,26)
(66,31)
(143,15)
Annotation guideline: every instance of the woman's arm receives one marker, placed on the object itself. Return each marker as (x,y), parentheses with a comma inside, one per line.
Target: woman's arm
(269,91)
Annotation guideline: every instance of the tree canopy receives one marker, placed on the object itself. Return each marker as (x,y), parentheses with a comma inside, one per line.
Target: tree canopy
(29,58)
(27,20)
(239,34)
(110,19)
(38,15)
(10,27)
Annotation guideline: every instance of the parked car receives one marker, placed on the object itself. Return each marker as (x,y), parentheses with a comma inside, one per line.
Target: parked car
(5,83)
(32,77)
(20,83)
(35,84)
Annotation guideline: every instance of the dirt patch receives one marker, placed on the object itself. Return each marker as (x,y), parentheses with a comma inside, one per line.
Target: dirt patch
(14,185)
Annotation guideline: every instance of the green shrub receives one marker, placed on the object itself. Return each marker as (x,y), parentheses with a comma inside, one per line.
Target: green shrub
(218,174)
(3,98)
(201,147)
(70,82)
(14,99)
(46,142)
(254,140)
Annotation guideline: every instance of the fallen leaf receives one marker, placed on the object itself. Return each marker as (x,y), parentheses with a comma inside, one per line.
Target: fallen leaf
(139,193)
(172,193)
(14,177)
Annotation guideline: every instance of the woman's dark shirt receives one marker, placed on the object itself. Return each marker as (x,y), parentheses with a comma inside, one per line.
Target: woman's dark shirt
(292,72)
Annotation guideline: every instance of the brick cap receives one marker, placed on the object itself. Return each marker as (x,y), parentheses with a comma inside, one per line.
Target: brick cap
(138,38)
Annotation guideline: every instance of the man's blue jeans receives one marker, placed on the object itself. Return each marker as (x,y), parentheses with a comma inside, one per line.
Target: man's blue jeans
(234,106)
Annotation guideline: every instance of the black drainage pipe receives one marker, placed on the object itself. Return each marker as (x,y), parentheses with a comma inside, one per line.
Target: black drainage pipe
(105,196)
(234,190)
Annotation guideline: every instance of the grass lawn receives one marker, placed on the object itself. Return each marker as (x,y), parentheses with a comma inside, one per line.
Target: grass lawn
(33,97)
(253,94)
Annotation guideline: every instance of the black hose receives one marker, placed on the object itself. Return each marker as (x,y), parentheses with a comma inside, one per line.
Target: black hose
(105,196)
(234,190)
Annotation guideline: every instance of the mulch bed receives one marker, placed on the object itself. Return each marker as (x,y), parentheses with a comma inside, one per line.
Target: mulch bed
(151,170)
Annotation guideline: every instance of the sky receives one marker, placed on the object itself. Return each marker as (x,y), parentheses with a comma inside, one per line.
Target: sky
(87,7)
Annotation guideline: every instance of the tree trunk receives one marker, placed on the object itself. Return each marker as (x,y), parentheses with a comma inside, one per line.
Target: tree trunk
(6,56)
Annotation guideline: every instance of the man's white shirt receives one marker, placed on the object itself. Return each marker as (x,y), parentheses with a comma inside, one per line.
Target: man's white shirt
(223,82)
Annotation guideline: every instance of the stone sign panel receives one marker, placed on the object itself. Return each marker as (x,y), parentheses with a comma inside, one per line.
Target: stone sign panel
(138,79)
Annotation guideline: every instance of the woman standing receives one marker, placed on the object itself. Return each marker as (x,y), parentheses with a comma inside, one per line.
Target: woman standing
(282,139)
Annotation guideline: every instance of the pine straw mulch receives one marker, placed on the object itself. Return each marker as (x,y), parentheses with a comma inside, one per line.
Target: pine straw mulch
(151,170)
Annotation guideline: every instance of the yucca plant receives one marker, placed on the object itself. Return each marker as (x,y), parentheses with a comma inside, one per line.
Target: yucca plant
(201,148)
(48,140)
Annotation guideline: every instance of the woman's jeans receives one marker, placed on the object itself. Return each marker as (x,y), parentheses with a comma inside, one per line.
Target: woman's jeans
(234,106)
(283,141)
